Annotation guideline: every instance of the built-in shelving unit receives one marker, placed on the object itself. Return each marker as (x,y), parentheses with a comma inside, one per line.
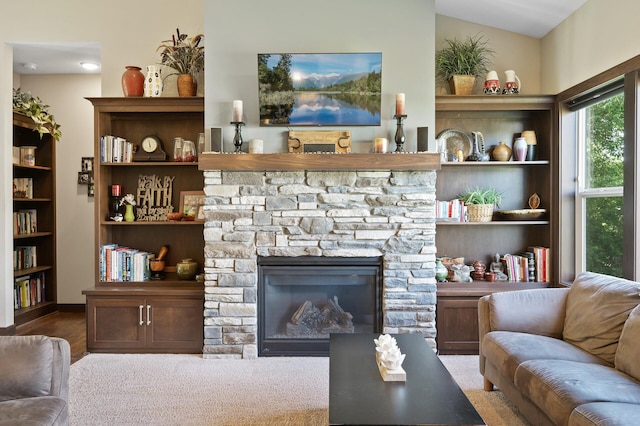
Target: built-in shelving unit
(38,237)
(164,315)
(498,118)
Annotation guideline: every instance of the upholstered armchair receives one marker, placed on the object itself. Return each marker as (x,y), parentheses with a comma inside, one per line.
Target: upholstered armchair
(34,380)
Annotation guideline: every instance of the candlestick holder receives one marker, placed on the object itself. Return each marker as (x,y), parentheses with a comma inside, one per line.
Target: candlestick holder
(237,139)
(399,139)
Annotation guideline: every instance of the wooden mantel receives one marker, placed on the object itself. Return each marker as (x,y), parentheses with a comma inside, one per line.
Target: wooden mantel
(319,161)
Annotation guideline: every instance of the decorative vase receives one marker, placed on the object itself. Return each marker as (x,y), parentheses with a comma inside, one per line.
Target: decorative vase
(520,149)
(501,152)
(132,81)
(441,271)
(153,82)
(186,269)
(128,213)
(187,86)
(477,150)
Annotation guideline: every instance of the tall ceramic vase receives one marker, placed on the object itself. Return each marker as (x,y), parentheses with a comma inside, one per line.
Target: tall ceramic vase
(153,82)
(187,86)
(132,81)
(520,149)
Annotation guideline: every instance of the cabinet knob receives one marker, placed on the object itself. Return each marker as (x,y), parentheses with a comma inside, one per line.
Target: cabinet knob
(141,321)
(148,314)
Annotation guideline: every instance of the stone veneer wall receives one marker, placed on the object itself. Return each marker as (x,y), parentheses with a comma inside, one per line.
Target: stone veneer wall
(308,213)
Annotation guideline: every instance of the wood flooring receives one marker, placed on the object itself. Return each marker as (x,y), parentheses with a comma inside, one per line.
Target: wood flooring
(70,326)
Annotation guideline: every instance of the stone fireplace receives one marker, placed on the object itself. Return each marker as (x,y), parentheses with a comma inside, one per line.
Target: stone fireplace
(253,213)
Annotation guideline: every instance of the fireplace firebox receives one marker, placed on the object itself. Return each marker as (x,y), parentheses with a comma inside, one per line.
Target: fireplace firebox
(302,300)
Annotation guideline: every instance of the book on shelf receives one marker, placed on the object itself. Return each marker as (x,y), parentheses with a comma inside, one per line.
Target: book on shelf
(23,187)
(117,263)
(25,222)
(29,290)
(114,149)
(529,266)
(450,211)
(24,257)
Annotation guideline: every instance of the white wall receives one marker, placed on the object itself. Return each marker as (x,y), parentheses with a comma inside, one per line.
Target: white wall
(402,31)
(129,33)
(512,51)
(598,36)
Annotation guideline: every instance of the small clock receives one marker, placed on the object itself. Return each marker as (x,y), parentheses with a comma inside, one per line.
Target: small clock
(150,150)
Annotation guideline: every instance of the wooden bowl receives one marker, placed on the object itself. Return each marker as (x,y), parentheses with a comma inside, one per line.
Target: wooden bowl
(175,216)
(522,214)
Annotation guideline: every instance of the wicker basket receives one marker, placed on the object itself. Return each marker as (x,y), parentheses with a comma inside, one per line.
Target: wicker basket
(480,212)
(462,84)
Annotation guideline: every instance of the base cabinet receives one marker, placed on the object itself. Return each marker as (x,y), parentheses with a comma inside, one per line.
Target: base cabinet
(138,323)
(457,313)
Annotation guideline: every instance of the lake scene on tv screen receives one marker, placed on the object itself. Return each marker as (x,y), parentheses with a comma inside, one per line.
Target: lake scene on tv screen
(320,89)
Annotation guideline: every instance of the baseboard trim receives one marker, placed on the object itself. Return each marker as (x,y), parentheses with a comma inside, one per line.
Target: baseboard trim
(69,307)
(8,331)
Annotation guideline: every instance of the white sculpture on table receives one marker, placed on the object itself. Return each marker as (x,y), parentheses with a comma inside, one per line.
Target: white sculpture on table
(389,358)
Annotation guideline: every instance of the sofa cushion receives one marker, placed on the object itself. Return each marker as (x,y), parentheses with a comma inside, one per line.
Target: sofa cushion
(44,410)
(628,353)
(605,414)
(597,307)
(26,366)
(556,387)
(512,349)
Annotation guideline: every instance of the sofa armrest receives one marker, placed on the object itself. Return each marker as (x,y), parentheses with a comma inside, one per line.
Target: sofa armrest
(34,366)
(536,311)
(61,367)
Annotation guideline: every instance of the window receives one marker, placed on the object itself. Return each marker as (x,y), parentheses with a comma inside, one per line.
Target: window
(599,220)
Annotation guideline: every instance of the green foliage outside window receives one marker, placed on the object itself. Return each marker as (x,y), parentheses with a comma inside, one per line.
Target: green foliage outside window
(604,154)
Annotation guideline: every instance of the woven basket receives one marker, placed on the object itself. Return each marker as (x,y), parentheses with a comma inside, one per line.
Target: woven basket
(480,212)
(186,85)
(462,84)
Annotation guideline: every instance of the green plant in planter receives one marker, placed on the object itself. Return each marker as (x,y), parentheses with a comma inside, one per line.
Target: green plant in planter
(31,106)
(479,195)
(468,57)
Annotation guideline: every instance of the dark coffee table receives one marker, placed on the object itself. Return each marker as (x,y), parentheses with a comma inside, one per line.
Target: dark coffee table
(358,395)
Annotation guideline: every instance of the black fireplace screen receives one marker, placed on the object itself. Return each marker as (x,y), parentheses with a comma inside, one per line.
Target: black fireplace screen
(302,300)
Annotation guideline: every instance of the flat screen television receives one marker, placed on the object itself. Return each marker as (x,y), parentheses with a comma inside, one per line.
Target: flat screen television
(319,89)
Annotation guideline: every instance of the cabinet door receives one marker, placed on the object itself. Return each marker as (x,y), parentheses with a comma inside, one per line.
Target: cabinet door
(457,325)
(175,324)
(114,324)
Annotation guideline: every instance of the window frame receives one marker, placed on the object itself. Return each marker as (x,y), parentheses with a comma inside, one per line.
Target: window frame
(628,73)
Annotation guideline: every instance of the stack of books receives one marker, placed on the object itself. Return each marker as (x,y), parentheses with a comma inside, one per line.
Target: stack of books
(28,290)
(530,266)
(114,149)
(451,211)
(119,263)
(25,222)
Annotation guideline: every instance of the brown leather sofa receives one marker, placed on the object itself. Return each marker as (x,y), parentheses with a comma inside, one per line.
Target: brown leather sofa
(34,380)
(566,356)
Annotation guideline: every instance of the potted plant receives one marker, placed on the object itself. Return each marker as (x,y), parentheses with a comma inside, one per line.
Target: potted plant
(460,62)
(185,55)
(480,203)
(31,106)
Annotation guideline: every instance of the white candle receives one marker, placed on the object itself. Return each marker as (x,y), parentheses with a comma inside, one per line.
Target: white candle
(256,146)
(400,104)
(237,111)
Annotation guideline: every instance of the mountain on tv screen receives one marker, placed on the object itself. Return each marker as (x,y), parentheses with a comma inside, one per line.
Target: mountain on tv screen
(320,89)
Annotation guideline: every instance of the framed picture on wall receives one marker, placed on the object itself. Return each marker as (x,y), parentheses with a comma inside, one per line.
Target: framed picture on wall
(191,203)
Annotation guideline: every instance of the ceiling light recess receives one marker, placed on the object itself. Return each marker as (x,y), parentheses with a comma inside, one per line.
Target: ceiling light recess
(90,66)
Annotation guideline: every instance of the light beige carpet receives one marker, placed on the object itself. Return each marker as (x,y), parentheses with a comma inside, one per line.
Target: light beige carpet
(114,389)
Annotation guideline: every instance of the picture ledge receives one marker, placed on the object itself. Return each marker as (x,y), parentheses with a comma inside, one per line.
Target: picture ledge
(319,161)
